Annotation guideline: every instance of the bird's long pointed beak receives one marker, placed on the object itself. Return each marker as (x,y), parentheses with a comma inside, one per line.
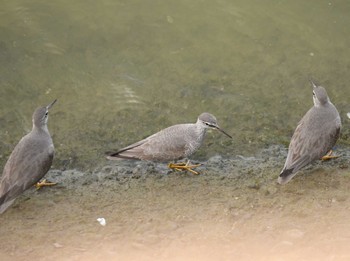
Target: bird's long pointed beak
(221,130)
(51,104)
(312,83)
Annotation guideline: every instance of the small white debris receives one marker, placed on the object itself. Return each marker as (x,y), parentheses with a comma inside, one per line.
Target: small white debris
(57,245)
(312,54)
(348,114)
(102,221)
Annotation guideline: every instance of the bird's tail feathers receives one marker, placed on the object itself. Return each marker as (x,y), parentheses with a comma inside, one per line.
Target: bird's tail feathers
(5,205)
(124,154)
(119,157)
(286,175)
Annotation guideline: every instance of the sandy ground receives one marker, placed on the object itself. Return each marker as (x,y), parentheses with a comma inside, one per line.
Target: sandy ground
(233,210)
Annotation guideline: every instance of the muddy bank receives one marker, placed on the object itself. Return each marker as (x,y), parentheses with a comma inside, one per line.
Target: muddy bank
(252,171)
(233,210)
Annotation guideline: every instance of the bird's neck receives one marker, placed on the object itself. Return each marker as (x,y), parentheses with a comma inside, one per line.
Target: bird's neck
(201,130)
(41,129)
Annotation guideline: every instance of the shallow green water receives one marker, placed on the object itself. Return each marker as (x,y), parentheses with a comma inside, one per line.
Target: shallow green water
(122,70)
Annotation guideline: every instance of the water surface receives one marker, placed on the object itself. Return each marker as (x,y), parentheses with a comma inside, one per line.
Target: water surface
(122,70)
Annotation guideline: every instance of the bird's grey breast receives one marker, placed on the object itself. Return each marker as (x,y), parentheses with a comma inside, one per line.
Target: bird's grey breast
(32,157)
(194,138)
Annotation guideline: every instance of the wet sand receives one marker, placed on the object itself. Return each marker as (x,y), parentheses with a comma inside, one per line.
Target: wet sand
(233,210)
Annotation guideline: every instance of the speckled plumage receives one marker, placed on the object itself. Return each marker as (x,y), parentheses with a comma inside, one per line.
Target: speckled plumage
(315,135)
(175,142)
(30,160)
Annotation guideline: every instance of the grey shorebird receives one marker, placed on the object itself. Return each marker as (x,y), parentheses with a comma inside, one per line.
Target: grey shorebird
(314,137)
(30,160)
(173,143)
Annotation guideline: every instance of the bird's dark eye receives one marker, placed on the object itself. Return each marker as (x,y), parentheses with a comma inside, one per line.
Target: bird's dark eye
(210,125)
(313,93)
(46,113)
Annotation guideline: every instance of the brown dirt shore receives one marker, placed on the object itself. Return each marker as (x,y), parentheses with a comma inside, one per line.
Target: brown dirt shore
(234,210)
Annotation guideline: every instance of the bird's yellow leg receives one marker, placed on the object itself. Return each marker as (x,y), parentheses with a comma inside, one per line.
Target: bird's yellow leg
(184,166)
(329,156)
(43,183)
